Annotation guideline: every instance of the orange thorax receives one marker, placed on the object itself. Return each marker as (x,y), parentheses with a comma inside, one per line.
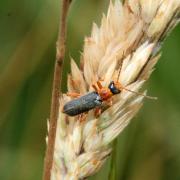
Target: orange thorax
(105,93)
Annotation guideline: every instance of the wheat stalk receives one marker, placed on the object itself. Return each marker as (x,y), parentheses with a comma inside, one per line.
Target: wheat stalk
(60,53)
(132,33)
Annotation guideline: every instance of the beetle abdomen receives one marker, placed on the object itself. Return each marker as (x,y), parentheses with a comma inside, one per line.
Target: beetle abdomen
(82,104)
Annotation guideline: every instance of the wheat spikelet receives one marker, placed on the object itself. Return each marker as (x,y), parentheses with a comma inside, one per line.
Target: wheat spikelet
(132,33)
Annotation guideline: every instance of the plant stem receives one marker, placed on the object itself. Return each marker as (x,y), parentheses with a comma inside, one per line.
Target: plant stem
(60,53)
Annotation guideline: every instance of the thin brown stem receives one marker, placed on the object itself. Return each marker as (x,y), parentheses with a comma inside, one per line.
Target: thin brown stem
(60,53)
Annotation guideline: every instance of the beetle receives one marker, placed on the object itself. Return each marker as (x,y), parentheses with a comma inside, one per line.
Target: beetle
(91,100)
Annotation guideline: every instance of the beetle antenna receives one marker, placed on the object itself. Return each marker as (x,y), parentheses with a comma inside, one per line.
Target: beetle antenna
(148,97)
(120,67)
(119,72)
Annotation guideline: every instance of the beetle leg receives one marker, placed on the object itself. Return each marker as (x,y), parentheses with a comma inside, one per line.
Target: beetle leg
(82,117)
(73,94)
(99,85)
(97,111)
(95,87)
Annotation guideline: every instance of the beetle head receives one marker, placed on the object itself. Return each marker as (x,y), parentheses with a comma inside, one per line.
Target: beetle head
(115,87)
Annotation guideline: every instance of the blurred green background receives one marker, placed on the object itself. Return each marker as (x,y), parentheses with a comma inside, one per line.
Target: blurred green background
(147,150)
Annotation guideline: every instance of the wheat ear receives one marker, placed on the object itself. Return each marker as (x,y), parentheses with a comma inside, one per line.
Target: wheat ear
(132,32)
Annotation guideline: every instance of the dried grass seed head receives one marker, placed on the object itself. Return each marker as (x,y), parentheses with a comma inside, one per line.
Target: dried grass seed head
(131,33)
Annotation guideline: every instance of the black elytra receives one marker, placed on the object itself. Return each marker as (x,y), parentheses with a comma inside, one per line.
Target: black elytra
(82,104)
